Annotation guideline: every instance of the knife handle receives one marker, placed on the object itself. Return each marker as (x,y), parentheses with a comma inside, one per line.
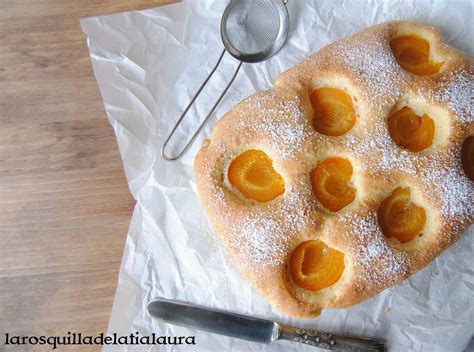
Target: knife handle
(330,341)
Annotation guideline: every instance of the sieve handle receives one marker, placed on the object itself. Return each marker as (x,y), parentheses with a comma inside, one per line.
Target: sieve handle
(201,126)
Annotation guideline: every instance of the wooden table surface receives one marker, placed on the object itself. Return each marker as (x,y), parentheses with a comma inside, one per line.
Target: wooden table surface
(64,202)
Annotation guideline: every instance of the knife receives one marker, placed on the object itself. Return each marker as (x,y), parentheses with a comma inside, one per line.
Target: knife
(255,329)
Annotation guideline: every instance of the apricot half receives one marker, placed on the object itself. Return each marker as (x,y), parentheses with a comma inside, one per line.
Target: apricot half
(467,157)
(408,130)
(334,113)
(330,180)
(398,217)
(412,52)
(252,173)
(313,265)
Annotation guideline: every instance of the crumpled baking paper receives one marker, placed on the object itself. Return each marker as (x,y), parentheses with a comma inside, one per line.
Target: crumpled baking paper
(148,65)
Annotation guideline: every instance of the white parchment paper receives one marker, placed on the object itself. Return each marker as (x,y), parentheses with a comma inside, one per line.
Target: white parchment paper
(148,64)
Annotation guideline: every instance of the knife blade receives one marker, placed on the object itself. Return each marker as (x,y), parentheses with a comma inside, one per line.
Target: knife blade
(255,329)
(214,321)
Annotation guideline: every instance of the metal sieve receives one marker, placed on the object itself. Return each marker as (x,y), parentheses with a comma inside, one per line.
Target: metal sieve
(251,31)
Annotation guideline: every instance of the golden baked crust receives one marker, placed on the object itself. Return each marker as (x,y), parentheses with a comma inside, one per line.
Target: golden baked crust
(259,237)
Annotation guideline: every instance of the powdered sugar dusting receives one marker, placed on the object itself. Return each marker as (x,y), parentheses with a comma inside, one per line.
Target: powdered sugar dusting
(262,243)
(449,182)
(263,237)
(283,124)
(298,207)
(384,154)
(378,261)
(217,194)
(374,66)
(457,92)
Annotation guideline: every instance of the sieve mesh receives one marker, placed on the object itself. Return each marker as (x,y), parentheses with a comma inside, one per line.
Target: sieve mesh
(251,31)
(252,26)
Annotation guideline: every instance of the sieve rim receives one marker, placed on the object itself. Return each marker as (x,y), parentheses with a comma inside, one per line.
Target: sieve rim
(267,52)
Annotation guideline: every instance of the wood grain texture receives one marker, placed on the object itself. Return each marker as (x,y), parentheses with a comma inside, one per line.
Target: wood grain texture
(64,202)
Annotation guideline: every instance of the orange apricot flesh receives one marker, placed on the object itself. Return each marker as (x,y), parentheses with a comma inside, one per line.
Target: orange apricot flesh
(334,113)
(398,217)
(330,180)
(313,265)
(467,157)
(410,131)
(252,173)
(413,54)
